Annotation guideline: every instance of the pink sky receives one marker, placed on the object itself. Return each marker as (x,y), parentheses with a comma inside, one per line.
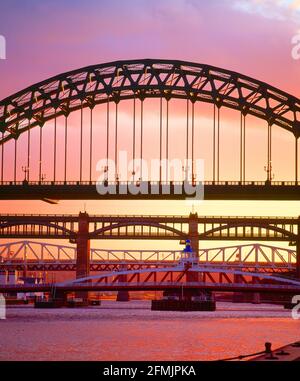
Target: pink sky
(50,37)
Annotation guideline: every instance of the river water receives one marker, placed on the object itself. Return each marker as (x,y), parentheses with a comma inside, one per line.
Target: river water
(131,331)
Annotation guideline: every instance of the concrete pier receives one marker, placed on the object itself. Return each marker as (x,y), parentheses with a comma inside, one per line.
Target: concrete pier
(83,252)
(123,296)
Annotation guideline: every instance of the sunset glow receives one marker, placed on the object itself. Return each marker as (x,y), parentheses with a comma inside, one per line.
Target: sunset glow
(89,90)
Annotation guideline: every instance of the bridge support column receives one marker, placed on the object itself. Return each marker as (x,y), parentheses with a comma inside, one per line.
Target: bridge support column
(60,297)
(191,276)
(83,252)
(193,232)
(3,277)
(11,277)
(123,296)
(256,298)
(298,255)
(238,297)
(194,238)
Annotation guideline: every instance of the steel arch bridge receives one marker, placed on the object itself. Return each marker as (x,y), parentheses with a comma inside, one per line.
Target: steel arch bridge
(119,80)
(54,99)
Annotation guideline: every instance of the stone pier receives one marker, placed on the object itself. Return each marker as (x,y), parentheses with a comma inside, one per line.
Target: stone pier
(83,252)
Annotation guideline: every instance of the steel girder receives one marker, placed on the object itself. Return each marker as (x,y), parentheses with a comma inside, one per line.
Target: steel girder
(142,276)
(146,78)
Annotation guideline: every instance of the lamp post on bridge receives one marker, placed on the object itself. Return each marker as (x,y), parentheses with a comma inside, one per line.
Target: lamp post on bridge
(268,169)
(42,177)
(25,169)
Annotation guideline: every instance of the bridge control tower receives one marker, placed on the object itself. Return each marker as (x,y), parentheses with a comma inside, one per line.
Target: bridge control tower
(189,257)
(187,299)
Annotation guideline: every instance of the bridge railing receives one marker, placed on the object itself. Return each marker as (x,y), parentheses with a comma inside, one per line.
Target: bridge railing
(94,217)
(205,183)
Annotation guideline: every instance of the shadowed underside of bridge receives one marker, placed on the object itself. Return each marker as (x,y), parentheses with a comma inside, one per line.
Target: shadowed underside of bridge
(106,85)
(178,286)
(222,190)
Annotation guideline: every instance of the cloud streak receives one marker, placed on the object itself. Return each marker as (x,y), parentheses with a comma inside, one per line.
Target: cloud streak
(282,10)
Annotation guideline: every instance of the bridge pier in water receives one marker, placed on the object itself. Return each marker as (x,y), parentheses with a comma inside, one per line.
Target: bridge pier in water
(193,276)
(122,295)
(83,253)
(298,254)
(194,242)
(190,299)
(256,298)
(245,297)
(238,297)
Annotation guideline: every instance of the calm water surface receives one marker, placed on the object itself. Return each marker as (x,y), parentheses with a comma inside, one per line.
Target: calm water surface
(131,331)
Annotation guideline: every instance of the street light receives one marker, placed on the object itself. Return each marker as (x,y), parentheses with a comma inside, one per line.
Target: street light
(268,169)
(25,169)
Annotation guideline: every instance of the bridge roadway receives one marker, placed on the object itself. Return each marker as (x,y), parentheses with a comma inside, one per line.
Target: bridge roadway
(213,190)
(150,227)
(154,286)
(67,265)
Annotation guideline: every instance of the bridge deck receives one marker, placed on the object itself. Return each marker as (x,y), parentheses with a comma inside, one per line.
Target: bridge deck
(75,190)
(153,286)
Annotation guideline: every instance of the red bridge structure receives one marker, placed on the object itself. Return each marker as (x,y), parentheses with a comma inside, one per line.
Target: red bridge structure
(256,272)
(82,228)
(183,279)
